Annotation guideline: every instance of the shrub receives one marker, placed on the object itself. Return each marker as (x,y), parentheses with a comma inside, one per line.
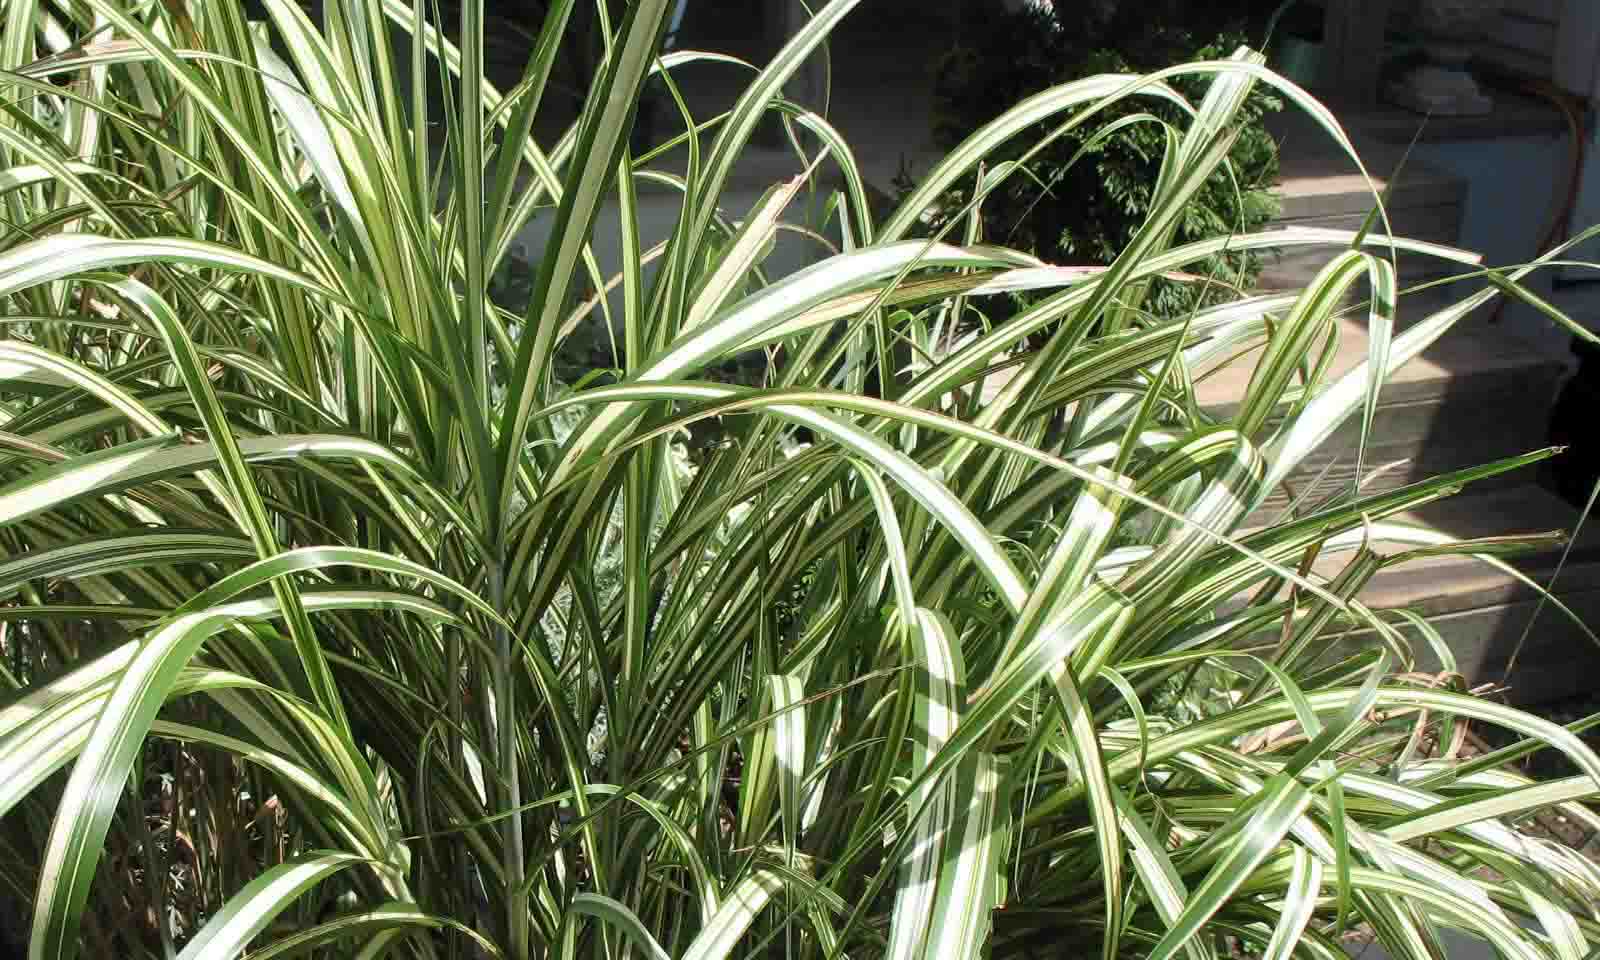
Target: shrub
(335,623)
(1087,191)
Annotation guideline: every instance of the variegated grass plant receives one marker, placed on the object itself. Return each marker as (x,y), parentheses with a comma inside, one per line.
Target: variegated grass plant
(335,626)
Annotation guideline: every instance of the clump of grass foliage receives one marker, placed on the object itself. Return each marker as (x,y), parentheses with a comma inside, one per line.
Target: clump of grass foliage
(335,625)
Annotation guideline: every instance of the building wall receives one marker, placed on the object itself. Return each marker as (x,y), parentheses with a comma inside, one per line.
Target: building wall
(1513,182)
(1554,40)
(1512,187)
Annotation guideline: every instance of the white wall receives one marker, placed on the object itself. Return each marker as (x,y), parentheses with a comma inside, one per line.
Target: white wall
(1512,185)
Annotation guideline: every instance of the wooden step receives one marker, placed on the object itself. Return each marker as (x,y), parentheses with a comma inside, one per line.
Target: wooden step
(1483,613)
(1477,394)
(1320,186)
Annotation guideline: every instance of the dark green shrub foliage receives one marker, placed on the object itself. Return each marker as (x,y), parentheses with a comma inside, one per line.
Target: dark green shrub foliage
(1086,212)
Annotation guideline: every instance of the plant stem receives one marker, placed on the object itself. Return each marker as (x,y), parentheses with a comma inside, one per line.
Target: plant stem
(506,755)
